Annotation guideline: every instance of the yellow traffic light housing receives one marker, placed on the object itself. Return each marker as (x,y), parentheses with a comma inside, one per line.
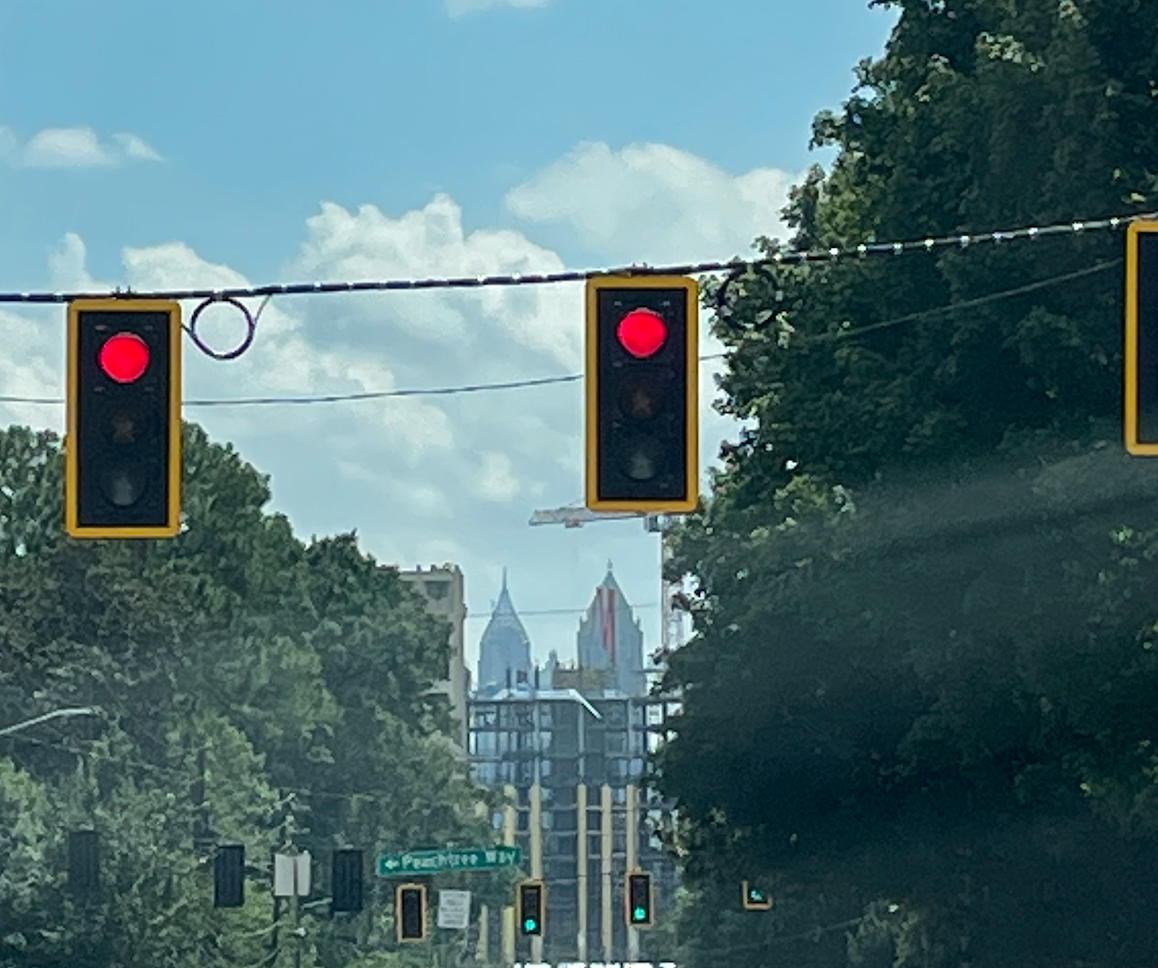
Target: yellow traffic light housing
(755,898)
(123,443)
(642,389)
(639,895)
(531,907)
(410,912)
(1141,417)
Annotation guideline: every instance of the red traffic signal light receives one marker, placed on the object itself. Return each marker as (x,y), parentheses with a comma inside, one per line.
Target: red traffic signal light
(642,332)
(642,386)
(124,357)
(123,444)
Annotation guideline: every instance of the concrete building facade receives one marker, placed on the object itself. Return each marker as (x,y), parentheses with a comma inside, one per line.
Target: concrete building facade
(444,591)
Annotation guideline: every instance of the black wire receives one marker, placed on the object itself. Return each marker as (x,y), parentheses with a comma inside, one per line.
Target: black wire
(789,257)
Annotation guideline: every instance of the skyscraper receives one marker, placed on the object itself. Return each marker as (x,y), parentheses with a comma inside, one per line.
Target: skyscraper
(504,649)
(610,638)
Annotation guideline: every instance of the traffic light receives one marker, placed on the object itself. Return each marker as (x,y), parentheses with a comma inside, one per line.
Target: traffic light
(1142,338)
(642,385)
(229,876)
(83,862)
(755,898)
(410,912)
(640,913)
(531,906)
(346,881)
(123,445)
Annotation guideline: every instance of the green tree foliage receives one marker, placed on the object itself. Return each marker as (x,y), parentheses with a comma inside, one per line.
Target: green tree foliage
(921,696)
(253,688)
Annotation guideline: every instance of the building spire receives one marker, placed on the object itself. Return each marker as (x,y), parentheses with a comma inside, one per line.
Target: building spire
(504,578)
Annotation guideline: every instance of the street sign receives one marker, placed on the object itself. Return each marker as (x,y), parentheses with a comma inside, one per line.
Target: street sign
(450,859)
(454,909)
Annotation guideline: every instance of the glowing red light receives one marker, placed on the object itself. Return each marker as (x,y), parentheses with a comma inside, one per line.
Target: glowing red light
(642,332)
(124,357)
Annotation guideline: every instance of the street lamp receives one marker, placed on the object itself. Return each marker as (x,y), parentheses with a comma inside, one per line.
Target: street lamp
(46,717)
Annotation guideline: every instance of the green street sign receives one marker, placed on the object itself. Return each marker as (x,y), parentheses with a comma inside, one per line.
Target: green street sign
(450,859)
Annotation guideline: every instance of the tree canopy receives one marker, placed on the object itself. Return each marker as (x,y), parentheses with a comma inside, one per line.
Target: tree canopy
(253,688)
(920,699)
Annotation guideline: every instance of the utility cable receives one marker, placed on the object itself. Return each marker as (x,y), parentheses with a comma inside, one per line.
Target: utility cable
(781,257)
(845,333)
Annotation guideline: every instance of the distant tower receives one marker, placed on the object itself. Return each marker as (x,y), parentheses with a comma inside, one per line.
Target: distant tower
(504,649)
(610,638)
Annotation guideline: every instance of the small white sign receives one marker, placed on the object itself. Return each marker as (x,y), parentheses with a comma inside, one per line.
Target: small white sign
(291,874)
(453,909)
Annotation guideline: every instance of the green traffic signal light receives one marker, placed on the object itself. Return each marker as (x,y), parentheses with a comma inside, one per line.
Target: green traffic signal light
(639,900)
(755,898)
(530,901)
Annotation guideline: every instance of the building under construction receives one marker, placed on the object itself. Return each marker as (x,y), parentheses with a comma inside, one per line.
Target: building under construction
(569,745)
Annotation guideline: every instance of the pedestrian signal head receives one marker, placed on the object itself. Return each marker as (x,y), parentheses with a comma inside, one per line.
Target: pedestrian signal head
(755,897)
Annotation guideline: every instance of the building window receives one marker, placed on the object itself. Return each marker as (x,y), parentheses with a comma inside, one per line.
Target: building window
(437,590)
(484,717)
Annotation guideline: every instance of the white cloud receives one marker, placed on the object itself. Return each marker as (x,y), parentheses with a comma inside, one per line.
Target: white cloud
(654,203)
(496,479)
(427,479)
(73,148)
(457,8)
(135,147)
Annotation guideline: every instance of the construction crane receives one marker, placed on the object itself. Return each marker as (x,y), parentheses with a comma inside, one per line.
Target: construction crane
(575,516)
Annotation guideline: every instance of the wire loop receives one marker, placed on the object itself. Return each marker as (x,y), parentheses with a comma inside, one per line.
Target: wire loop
(250,326)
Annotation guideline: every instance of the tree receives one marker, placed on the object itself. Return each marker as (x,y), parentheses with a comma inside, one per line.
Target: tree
(921,688)
(253,688)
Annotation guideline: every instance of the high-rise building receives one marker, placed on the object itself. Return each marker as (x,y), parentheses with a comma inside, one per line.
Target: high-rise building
(572,767)
(610,639)
(504,649)
(443,590)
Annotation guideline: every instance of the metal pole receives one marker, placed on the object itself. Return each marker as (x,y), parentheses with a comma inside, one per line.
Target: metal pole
(297,916)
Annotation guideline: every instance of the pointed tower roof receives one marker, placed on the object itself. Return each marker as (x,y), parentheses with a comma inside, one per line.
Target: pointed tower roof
(505,635)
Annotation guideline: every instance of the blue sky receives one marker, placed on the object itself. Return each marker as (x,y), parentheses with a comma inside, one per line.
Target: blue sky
(165,145)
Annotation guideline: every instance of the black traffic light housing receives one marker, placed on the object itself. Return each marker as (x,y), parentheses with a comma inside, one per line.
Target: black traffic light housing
(346,881)
(123,443)
(1141,417)
(531,907)
(642,387)
(410,912)
(640,898)
(755,898)
(84,863)
(229,876)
